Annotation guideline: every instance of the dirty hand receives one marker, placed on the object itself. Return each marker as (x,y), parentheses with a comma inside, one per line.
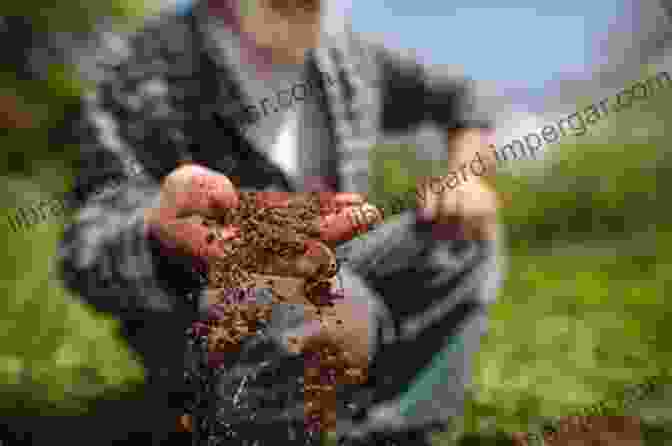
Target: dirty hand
(192,192)
(342,217)
(468,211)
(188,194)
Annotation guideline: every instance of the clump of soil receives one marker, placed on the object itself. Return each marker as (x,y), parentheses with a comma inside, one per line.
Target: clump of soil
(265,233)
(269,240)
(327,367)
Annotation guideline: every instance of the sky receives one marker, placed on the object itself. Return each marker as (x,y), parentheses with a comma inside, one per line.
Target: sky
(526,42)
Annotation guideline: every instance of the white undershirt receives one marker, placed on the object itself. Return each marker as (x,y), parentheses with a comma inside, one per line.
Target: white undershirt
(275,134)
(285,150)
(290,137)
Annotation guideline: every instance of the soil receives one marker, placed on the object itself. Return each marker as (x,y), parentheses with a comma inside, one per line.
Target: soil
(270,242)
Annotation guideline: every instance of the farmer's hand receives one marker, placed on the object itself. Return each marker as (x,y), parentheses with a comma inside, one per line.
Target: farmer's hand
(191,192)
(468,211)
(187,194)
(462,203)
(342,216)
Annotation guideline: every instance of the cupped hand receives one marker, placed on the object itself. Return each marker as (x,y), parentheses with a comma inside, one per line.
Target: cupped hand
(192,192)
(188,194)
(342,217)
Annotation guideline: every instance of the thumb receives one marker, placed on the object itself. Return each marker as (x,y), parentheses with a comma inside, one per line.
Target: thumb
(347,222)
(193,189)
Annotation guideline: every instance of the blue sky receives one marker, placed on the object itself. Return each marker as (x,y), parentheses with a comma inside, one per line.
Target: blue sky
(523,42)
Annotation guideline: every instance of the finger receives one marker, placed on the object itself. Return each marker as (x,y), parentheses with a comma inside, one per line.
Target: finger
(348,222)
(339,226)
(274,199)
(330,201)
(317,258)
(450,203)
(281,199)
(189,237)
(447,225)
(204,191)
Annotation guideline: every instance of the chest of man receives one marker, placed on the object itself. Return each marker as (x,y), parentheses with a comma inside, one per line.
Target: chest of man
(300,131)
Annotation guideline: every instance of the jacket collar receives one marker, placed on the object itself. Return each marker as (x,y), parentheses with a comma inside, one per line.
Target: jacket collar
(338,60)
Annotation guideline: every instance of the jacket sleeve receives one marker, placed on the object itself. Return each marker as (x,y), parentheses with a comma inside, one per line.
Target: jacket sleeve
(105,255)
(414,94)
(437,294)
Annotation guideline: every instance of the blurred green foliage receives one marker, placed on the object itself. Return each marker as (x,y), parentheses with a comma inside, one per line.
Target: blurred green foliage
(57,355)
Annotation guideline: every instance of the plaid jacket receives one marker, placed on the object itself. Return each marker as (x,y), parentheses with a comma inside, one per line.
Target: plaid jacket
(162,97)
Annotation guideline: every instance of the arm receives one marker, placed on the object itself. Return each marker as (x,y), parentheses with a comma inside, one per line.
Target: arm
(415,95)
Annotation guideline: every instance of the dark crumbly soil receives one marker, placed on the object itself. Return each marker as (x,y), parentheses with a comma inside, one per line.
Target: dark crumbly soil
(265,234)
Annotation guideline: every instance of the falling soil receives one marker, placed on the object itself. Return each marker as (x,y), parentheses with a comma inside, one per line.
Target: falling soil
(269,242)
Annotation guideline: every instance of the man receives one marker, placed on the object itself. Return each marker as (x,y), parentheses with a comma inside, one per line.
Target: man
(259,95)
